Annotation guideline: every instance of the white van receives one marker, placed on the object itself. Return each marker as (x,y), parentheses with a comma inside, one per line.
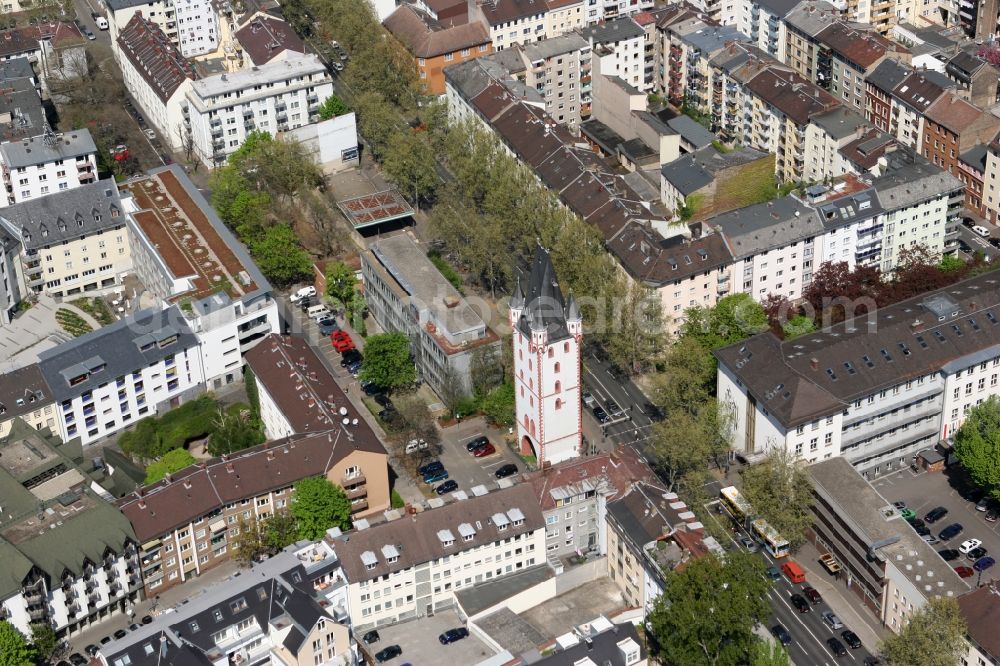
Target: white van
(317,312)
(100,21)
(304,292)
(982,231)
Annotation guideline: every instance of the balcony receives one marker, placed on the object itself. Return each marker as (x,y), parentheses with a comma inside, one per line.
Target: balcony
(38,614)
(215,122)
(359,505)
(356,492)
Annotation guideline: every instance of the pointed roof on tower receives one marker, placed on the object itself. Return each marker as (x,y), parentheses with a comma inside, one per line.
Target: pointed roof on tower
(572,309)
(517,298)
(544,300)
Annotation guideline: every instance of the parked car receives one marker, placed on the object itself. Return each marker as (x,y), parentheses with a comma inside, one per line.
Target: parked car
(872,661)
(748,543)
(388,653)
(415,445)
(338,66)
(588,398)
(307,303)
(812,594)
(371,637)
(949,554)
(916,523)
(992,515)
(950,532)
(900,505)
(922,530)
(781,634)
(935,514)
(484,451)
(931,539)
(474,444)
(505,471)
(327,325)
(449,486)
(851,639)
(149,133)
(453,635)
(983,504)
(836,647)
(435,476)
(965,572)
(133,626)
(78,659)
(969,545)
(89,33)
(773,572)
(614,410)
(304,292)
(383,401)
(600,414)
(120,634)
(982,231)
(387,413)
(350,356)
(371,389)
(429,467)
(984,563)
(907,514)
(832,621)
(342,344)
(91,649)
(800,603)
(146,619)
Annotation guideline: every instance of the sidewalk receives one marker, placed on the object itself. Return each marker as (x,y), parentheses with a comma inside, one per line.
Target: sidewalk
(841,601)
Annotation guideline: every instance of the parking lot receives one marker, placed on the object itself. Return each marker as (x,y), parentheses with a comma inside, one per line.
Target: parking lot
(925,491)
(419,640)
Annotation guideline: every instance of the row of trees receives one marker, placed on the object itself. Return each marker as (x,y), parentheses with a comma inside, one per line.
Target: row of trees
(18,650)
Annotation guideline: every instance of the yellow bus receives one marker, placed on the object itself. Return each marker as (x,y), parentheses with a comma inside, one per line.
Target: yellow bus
(737,505)
(774,542)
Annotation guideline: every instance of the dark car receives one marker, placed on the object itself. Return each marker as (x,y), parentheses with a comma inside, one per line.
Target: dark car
(851,639)
(306,302)
(371,389)
(435,476)
(63,663)
(388,653)
(916,523)
(382,400)
(812,594)
(77,659)
(935,514)
(614,409)
(600,414)
(983,504)
(133,627)
(992,515)
(453,635)
(949,554)
(476,443)
(121,633)
(964,572)
(432,466)
(387,413)
(105,640)
(447,487)
(975,554)
(972,494)
(984,563)
(773,573)
(327,325)
(836,647)
(900,504)
(922,530)
(146,619)
(781,634)
(91,649)
(505,471)
(800,603)
(484,451)
(371,637)
(349,357)
(872,661)
(950,532)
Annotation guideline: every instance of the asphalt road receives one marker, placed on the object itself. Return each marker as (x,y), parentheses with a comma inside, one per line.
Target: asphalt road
(977,243)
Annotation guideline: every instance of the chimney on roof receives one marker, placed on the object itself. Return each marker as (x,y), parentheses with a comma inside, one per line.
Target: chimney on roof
(814,363)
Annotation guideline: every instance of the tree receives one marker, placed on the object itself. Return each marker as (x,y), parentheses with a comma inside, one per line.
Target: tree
(684,442)
(171,462)
(376,121)
(637,338)
(486,369)
(498,405)
(798,325)
(688,378)
(341,283)
(332,107)
(410,164)
(837,292)
(235,430)
(250,541)
(318,505)
(734,318)
(14,648)
(707,611)
(280,530)
(279,256)
(781,490)
(934,636)
(415,420)
(766,653)
(977,445)
(43,640)
(387,361)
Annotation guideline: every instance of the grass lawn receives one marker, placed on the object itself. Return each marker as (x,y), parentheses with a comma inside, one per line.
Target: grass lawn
(72,323)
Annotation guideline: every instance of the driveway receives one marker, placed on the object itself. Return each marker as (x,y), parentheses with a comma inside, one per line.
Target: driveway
(925,491)
(467,470)
(31,333)
(419,640)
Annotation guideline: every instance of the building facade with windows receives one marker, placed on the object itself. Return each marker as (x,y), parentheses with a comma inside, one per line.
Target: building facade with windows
(619,46)
(411,566)
(190,25)
(46,164)
(219,111)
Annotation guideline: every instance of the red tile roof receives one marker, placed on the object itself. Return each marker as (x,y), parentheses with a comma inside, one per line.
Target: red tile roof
(154,56)
(615,471)
(861,47)
(263,37)
(426,38)
(953,113)
(796,97)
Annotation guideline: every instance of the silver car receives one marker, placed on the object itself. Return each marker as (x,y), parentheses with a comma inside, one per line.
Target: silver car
(832,620)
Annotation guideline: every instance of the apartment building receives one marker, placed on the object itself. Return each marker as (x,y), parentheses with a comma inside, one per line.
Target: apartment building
(877,390)
(574,496)
(774,246)
(971,170)
(599,642)
(68,556)
(48,163)
(413,565)
(911,99)
(568,15)
(709,182)
(846,55)
(852,217)
(156,75)
(72,241)
(435,45)
(977,608)
(275,613)
(406,293)
(298,396)
(186,522)
(762,21)
(219,111)
(952,127)
(923,205)
(10,283)
(619,50)
(826,136)
(190,25)
(106,380)
(510,22)
(650,531)
(890,569)
(879,85)
(803,23)
(560,70)
(976,78)
(24,395)
(186,256)
(263,37)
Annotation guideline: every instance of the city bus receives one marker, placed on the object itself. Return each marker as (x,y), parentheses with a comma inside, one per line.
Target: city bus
(774,542)
(739,508)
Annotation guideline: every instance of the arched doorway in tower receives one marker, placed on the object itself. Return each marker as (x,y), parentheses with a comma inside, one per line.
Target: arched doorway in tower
(528,447)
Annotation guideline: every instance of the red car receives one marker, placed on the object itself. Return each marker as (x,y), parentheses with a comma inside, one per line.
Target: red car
(484,451)
(965,572)
(812,594)
(341,341)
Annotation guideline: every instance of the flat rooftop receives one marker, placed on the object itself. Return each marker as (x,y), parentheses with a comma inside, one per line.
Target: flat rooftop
(292,66)
(48,148)
(371,209)
(69,506)
(22,456)
(191,239)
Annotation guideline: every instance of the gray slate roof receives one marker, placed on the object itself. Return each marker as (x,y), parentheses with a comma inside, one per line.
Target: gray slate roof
(887,75)
(778,7)
(36,150)
(543,300)
(547,48)
(16,68)
(694,171)
(614,31)
(123,347)
(811,18)
(691,131)
(845,210)
(767,226)
(912,179)
(975,157)
(601,649)
(840,122)
(65,215)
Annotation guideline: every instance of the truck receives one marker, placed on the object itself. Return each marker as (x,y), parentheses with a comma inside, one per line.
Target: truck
(99,21)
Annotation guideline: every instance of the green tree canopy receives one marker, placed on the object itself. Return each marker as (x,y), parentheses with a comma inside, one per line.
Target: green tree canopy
(43,640)
(154,436)
(780,489)
(14,647)
(977,445)
(235,429)
(171,462)
(279,255)
(934,636)
(766,653)
(341,282)
(734,318)
(707,611)
(318,505)
(332,107)
(410,164)
(387,361)
(684,443)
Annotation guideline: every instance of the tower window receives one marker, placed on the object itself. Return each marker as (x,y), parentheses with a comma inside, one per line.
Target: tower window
(559,403)
(551,352)
(558,387)
(566,347)
(557,366)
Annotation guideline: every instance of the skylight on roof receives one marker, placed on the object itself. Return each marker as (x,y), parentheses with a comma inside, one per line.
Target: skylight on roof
(923,343)
(886,355)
